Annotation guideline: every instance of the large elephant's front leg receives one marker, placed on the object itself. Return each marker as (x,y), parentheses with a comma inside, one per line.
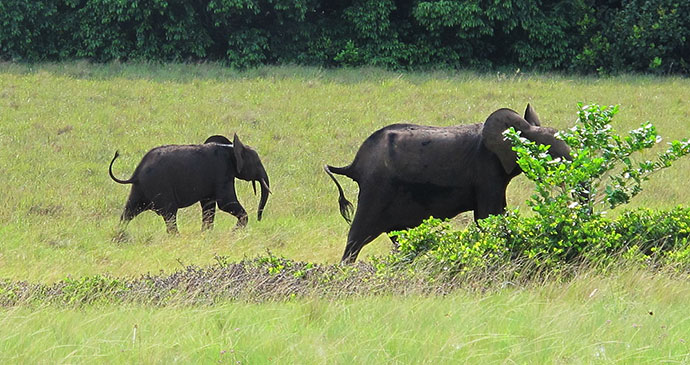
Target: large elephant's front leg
(491,200)
(227,202)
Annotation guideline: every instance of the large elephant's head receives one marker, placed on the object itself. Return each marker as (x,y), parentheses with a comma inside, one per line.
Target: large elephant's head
(529,127)
(248,166)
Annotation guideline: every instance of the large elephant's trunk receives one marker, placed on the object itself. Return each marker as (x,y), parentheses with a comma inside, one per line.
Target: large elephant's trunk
(264,194)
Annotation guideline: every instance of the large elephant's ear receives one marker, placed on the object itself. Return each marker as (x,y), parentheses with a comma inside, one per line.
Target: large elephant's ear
(531,116)
(494,141)
(239,148)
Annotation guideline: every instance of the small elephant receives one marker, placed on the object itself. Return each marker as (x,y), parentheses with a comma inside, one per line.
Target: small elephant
(408,172)
(177,176)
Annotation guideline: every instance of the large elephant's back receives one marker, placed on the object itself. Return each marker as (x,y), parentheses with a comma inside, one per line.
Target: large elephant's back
(423,154)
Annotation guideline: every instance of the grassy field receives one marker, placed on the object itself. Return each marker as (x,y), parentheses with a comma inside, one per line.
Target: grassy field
(60,125)
(632,318)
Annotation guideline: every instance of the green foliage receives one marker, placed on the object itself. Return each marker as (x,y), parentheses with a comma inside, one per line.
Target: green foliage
(569,223)
(583,35)
(644,236)
(639,35)
(349,56)
(158,30)
(575,186)
(452,251)
(95,289)
(274,264)
(246,49)
(30,30)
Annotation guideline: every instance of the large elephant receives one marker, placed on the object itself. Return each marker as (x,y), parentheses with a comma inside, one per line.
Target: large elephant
(408,172)
(176,176)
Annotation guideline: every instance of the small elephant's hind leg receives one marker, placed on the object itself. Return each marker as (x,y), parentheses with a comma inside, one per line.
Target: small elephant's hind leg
(208,213)
(170,217)
(135,205)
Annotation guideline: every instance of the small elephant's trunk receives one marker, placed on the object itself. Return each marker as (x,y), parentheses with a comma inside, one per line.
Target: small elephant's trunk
(264,195)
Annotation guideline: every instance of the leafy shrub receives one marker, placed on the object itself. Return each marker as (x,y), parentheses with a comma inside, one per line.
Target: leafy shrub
(89,290)
(569,222)
(562,185)
(247,48)
(349,56)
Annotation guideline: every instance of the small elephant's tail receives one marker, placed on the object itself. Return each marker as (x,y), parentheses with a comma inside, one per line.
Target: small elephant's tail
(110,170)
(346,207)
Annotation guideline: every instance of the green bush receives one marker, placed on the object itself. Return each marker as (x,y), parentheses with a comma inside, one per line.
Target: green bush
(569,222)
(95,289)
(643,236)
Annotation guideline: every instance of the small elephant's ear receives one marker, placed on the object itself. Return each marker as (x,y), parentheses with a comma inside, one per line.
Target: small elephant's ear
(494,141)
(239,148)
(531,116)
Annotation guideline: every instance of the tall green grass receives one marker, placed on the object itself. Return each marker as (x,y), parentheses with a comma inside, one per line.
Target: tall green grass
(61,123)
(628,317)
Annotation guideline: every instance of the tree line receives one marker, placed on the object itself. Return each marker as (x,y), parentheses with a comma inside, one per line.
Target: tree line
(587,36)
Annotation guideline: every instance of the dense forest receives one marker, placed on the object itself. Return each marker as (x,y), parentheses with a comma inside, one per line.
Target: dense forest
(587,36)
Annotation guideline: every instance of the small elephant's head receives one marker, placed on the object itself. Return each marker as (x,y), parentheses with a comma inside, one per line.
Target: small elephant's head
(248,166)
(529,127)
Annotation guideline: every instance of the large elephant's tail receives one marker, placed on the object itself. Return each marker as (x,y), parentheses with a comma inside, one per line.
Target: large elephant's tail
(346,207)
(110,170)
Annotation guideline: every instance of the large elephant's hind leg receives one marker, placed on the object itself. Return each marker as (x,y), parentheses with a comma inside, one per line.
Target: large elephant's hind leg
(208,213)
(368,222)
(355,241)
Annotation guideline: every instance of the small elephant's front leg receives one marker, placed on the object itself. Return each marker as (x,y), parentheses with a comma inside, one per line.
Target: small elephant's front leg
(228,202)
(242,220)
(208,212)
(241,214)
(236,209)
